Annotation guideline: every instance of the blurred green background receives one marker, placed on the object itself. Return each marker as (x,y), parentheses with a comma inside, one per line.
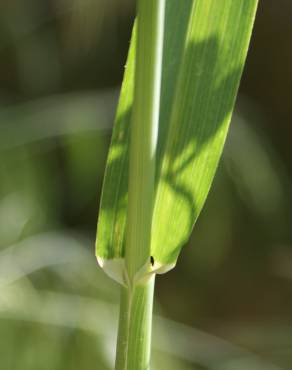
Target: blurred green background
(228,303)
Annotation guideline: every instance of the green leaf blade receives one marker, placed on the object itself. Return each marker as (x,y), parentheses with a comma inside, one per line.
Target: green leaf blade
(113,208)
(206,43)
(209,76)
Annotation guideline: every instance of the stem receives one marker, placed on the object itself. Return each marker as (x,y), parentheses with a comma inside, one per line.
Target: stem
(134,338)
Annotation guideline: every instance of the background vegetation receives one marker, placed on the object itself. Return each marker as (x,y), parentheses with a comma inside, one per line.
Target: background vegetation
(228,303)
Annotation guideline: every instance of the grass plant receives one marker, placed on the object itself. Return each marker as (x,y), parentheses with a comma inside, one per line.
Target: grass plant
(182,76)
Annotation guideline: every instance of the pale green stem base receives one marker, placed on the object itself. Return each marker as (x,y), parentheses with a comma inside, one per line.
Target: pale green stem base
(135,327)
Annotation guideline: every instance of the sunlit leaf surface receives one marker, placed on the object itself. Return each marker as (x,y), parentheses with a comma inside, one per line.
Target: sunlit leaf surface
(206,43)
